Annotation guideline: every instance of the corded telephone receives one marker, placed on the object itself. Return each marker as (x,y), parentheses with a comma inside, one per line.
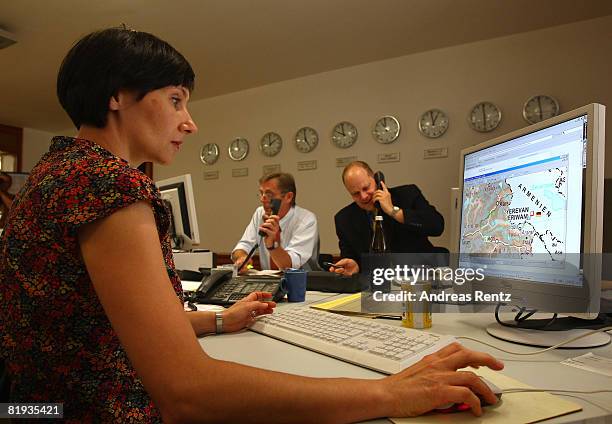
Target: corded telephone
(378,178)
(220,288)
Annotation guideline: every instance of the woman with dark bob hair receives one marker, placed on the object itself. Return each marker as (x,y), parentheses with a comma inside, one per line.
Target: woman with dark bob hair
(80,327)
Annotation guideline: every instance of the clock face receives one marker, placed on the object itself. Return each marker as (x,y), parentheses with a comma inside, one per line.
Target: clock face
(539,108)
(271,144)
(306,139)
(239,148)
(386,130)
(484,117)
(209,153)
(344,135)
(433,123)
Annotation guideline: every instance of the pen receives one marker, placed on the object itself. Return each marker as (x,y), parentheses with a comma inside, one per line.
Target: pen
(329,264)
(388,317)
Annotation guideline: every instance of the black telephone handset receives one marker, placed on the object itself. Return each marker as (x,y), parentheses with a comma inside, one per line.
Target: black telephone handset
(275,205)
(213,280)
(379,178)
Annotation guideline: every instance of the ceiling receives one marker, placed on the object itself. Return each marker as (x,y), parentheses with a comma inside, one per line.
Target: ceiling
(238,44)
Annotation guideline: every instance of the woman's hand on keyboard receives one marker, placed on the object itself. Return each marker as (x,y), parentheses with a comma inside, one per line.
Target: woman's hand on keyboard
(243,313)
(434,381)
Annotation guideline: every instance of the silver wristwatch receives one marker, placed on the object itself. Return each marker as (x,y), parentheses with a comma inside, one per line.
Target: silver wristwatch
(395,210)
(218,322)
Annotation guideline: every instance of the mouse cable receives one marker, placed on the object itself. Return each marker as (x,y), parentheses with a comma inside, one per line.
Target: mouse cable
(526,389)
(601,330)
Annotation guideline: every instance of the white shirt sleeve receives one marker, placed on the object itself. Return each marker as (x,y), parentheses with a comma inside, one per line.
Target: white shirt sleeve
(302,242)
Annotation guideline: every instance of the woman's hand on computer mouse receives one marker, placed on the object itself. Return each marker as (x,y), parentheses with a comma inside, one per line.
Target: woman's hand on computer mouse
(243,313)
(434,381)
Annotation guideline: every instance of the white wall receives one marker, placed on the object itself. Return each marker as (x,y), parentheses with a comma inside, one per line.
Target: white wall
(35,144)
(572,63)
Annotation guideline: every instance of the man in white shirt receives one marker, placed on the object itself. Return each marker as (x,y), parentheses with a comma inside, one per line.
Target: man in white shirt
(291,238)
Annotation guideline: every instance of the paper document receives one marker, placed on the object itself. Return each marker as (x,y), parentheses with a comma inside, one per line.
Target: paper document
(590,362)
(351,305)
(190,285)
(269,272)
(338,302)
(515,408)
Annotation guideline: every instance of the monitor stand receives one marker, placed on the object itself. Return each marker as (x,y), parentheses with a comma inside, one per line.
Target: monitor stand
(530,333)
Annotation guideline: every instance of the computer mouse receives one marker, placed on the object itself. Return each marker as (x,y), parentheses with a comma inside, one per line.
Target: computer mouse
(460,407)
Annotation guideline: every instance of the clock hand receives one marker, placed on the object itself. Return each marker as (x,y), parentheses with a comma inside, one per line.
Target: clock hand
(484,118)
(433,118)
(540,107)
(342,126)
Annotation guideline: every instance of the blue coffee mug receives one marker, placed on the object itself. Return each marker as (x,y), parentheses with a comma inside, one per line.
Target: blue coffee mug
(294,283)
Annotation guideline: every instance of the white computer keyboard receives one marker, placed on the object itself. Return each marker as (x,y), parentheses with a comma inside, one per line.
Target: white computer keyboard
(365,342)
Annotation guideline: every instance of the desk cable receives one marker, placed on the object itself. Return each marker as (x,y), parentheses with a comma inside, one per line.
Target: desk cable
(601,330)
(527,389)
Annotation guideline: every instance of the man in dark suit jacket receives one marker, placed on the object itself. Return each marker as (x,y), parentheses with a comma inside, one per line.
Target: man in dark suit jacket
(408,219)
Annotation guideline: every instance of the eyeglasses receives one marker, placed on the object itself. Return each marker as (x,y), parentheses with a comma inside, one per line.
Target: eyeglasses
(268,195)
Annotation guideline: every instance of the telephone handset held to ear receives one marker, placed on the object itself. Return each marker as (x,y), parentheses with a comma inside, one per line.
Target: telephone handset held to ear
(378,178)
(275,205)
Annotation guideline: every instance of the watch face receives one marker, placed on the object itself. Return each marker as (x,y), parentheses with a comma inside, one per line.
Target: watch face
(239,148)
(433,123)
(484,117)
(344,135)
(306,139)
(209,153)
(271,144)
(539,108)
(386,130)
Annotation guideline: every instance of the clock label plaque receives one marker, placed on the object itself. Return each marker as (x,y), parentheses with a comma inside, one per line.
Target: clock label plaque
(307,165)
(271,169)
(211,175)
(240,172)
(388,157)
(342,162)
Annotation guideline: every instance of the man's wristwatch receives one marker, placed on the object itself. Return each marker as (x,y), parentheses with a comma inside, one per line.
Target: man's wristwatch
(218,322)
(395,210)
(274,246)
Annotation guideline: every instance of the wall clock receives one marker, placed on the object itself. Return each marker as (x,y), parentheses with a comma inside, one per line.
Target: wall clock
(484,117)
(306,139)
(344,135)
(271,144)
(209,153)
(386,129)
(433,123)
(239,148)
(539,108)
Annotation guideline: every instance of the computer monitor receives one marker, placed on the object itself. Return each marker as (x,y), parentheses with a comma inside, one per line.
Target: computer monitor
(177,194)
(531,215)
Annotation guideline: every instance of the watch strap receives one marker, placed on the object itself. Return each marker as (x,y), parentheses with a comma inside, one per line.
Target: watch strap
(218,322)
